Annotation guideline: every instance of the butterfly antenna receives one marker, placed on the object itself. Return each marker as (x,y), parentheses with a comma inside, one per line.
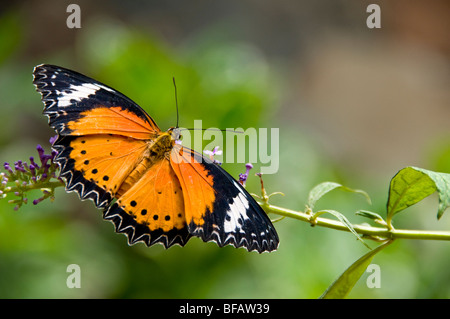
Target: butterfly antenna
(176,99)
(212,129)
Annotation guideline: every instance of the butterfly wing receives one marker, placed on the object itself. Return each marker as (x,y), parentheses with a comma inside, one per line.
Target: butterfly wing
(155,215)
(217,207)
(95,166)
(103,145)
(78,105)
(102,133)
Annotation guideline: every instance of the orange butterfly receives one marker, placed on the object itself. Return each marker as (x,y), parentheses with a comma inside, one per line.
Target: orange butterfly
(153,189)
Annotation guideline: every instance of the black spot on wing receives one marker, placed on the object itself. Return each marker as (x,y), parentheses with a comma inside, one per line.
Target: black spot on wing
(75,180)
(136,232)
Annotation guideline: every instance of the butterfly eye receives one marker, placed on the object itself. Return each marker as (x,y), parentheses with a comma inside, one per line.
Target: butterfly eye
(177,133)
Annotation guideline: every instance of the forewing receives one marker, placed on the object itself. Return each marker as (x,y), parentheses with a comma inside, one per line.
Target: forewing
(78,105)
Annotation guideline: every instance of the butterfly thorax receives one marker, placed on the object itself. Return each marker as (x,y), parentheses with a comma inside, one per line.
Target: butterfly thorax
(157,149)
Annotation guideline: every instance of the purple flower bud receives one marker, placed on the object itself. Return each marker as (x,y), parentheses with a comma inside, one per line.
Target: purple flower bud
(8,168)
(243,177)
(32,169)
(41,153)
(19,166)
(36,166)
(40,150)
(212,153)
(53,139)
(215,151)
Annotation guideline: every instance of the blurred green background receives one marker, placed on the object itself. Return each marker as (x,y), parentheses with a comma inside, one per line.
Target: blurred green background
(353,105)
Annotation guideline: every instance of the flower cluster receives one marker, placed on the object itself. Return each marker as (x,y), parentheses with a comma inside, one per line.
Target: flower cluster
(242,177)
(22,177)
(212,153)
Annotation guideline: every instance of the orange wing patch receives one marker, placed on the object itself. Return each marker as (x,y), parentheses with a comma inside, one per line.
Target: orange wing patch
(96,166)
(112,120)
(152,210)
(161,205)
(197,184)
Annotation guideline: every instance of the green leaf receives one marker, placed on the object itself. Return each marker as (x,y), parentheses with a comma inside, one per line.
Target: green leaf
(412,184)
(368,214)
(343,220)
(442,183)
(342,286)
(318,191)
(374,216)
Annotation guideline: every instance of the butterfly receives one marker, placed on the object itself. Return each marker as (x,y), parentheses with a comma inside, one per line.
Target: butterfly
(152,188)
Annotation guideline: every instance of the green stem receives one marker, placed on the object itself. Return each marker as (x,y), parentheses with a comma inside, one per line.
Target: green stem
(40,185)
(369,231)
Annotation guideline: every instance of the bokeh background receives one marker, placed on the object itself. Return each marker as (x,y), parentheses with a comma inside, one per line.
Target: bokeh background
(353,105)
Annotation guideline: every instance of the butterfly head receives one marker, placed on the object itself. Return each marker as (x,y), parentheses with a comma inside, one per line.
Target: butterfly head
(175,133)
